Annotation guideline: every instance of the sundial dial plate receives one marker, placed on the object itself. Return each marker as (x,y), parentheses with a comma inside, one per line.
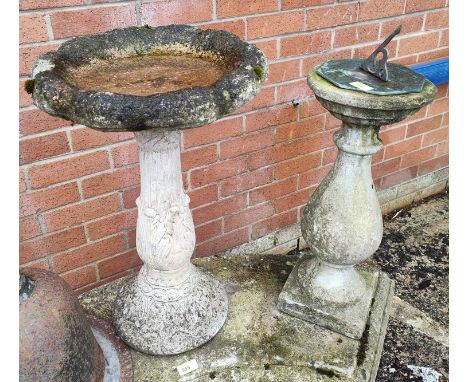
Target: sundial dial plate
(348,74)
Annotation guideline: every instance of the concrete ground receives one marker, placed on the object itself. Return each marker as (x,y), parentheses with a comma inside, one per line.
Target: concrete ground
(414,253)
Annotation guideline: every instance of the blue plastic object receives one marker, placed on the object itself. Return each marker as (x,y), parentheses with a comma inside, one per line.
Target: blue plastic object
(436,71)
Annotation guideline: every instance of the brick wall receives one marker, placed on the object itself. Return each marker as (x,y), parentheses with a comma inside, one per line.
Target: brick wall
(247,174)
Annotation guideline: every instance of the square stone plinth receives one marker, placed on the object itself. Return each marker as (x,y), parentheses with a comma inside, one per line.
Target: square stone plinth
(349,320)
(258,342)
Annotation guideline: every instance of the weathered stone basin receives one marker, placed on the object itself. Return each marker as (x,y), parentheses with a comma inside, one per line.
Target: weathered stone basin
(140,78)
(155,82)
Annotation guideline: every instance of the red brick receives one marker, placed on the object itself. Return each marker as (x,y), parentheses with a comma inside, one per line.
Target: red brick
(208,230)
(398,177)
(403,147)
(378,157)
(69,168)
(43,200)
(393,135)
(176,12)
(204,195)
(41,264)
(199,157)
(329,155)
(300,129)
(44,245)
(32,28)
(409,23)
(236,27)
(283,71)
(297,165)
(85,138)
(22,182)
(225,8)
(80,277)
(325,17)
(424,126)
(309,108)
(439,106)
(433,165)
(356,35)
(246,181)
(417,157)
(131,236)
(273,223)
(118,179)
(36,121)
(45,146)
(296,199)
(218,171)
(25,99)
(81,212)
(272,191)
(271,117)
(444,38)
(315,143)
(293,90)
(221,208)
(28,228)
(445,119)
(112,224)
(407,60)
(310,63)
(290,4)
(418,5)
(129,196)
(222,243)
(366,50)
(276,24)
(386,167)
(88,253)
(313,177)
(442,148)
(265,98)
(437,20)
(433,55)
(91,20)
(213,132)
(248,216)
(416,44)
(28,55)
(125,154)
(376,9)
(305,44)
(435,136)
(246,144)
(42,4)
(268,47)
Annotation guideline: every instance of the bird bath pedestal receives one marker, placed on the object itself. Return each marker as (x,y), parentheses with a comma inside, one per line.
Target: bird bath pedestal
(155,82)
(342,221)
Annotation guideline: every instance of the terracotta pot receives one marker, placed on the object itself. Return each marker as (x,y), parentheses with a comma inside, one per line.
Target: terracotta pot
(56,340)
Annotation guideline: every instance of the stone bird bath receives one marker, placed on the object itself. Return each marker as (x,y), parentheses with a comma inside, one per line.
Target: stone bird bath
(156,82)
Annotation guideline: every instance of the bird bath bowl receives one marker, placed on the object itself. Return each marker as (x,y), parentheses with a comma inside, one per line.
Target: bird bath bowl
(156,82)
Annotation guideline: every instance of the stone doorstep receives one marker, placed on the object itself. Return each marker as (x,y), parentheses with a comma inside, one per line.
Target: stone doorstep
(258,342)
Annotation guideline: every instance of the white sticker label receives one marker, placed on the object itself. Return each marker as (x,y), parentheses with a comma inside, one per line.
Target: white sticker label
(187,367)
(360,85)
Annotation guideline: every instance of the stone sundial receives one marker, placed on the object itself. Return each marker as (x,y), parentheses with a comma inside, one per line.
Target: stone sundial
(342,221)
(156,82)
